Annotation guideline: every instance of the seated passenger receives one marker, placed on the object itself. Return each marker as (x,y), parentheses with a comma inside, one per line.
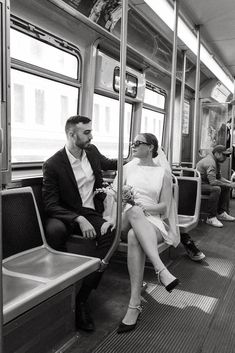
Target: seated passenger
(214,185)
(146,222)
(70,177)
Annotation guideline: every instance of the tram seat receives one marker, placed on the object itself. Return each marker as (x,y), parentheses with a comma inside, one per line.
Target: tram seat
(32,271)
(188,194)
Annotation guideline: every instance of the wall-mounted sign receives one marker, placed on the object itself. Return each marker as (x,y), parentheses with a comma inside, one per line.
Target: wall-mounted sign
(131,83)
(185,122)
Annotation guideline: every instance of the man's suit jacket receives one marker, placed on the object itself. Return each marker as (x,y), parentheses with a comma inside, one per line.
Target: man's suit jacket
(60,192)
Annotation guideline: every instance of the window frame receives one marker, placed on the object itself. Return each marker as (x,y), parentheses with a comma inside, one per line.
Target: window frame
(155,108)
(50,39)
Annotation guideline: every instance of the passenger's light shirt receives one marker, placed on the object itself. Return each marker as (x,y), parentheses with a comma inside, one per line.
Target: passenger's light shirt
(84,177)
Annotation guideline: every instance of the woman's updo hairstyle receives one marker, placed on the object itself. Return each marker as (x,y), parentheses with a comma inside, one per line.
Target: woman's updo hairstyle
(151,140)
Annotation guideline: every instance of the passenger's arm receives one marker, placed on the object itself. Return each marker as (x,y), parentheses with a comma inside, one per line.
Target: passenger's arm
(228,182)
(87,229)
(107,163)
(158,209)
(211,175)
(51,198)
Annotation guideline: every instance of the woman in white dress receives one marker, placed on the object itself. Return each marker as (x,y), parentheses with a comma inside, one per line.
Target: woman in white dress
(148,222)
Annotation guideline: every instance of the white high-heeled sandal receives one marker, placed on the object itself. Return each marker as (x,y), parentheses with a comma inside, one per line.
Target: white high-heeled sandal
(171,285)
(124,327)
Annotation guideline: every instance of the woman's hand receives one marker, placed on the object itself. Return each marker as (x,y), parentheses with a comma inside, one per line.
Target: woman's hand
(143,208)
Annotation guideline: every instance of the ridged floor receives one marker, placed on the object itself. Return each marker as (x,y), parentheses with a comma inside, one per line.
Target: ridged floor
(197,317)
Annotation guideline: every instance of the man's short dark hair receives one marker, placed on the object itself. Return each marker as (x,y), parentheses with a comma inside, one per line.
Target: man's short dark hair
(76,119)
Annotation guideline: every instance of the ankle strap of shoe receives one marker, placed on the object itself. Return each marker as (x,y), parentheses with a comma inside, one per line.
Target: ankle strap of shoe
(138,307)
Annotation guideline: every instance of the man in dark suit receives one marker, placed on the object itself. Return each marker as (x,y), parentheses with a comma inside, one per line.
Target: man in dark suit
(70,177)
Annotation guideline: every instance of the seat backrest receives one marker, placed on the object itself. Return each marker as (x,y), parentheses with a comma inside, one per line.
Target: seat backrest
(180,171)
(175,189)
(21,225)
(189,193)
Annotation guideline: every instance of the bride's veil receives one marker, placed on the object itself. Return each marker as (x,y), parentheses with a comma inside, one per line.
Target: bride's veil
(171,213)
(161,160)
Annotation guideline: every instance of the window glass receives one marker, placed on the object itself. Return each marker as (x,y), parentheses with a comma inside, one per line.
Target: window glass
(154,98)
(40,108)
(19,102)
(152,121)
(105,124)
(39,105)
(42,54)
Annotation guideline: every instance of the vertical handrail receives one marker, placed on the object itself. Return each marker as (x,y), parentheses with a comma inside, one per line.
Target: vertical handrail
(3,83)
(232,124)
(182,101)
(173,82)
(122,89)
(196,105)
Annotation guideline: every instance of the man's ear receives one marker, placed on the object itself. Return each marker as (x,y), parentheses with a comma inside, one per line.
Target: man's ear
(70,133)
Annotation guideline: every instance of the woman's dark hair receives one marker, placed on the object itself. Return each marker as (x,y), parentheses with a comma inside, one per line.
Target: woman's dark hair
(151,140)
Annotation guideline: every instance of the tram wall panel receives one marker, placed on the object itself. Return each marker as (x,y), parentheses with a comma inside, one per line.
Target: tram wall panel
(44,328)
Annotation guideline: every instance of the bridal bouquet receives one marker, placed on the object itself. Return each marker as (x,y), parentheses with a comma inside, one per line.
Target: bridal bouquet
(128,194)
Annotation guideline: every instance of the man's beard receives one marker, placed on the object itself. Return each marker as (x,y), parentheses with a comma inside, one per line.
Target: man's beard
(84,145)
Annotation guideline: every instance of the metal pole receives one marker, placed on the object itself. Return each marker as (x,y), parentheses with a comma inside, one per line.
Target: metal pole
(182,100)
(4,100)
(173,81)
(232,126)
(121,127)
(196,106)
(122,108)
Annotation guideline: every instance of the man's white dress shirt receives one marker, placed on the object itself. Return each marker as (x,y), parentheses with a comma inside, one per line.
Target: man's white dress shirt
(84,177)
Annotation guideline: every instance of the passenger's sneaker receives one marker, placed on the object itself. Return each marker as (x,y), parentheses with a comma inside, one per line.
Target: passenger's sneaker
(225,217)
(193,252)
(213,221)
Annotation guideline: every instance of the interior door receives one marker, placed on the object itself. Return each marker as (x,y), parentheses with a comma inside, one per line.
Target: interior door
(215,130)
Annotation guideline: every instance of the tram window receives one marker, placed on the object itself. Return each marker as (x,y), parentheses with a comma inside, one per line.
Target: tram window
(42,54)
(152,121)
(105,123)
(38,132)
(44,91)
(154,98)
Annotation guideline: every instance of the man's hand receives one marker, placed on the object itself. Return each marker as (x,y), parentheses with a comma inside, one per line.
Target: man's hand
(105,226)
(232,185)
(88,231)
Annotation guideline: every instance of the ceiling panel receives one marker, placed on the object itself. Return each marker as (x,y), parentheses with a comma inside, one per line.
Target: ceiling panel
(217,20)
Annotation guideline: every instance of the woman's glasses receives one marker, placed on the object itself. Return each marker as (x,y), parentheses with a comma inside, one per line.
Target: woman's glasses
(138,143)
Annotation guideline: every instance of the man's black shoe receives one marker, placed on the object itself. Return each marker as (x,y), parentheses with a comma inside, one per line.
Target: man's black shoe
(84,320)
(193,252)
